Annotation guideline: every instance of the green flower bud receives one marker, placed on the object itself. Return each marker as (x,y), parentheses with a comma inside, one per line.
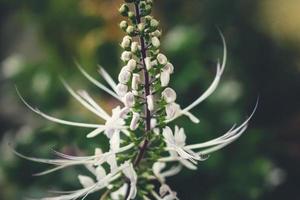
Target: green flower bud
(150,2)
(130,30)
(147,10)
(123,25)
(154,23)
(156,33)
(148,19)
(131,16)
(124,10)
(143,5)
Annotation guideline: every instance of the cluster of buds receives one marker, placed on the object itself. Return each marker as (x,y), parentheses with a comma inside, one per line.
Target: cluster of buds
(144,150)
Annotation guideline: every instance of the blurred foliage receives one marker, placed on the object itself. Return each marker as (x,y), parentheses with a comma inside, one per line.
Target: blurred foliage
(39,41)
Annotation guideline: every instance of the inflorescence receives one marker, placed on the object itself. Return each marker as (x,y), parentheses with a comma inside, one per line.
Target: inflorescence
(144,148)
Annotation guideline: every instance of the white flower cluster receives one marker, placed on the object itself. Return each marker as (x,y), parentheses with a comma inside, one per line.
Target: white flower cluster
(139,122)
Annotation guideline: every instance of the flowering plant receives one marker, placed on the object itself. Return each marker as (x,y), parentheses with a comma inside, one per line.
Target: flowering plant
(143,148)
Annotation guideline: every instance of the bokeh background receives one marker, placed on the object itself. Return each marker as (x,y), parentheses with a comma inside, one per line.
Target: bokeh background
(39,41)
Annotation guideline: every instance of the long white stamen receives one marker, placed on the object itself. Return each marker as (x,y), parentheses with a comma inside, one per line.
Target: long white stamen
(82,101)
(60,121)
(97,83)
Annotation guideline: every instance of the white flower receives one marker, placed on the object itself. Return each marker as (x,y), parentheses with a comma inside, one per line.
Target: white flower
(150,102)
(134,47)
(155,42)
(177,148)
(129,100)
(124,76)
(122,89)
(131,65)
(113,125)
(176,143)
(148,63)
(134,122)
(126,56)
(135,81)
(173,110)
(169,95)
(162,59)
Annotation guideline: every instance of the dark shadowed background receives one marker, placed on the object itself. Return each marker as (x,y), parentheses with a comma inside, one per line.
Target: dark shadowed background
(39,41)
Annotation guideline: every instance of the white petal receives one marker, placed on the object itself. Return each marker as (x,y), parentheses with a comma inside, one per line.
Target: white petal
(86,181)
(168,135)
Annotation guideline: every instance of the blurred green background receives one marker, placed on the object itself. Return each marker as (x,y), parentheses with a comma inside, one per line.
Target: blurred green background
(39,41)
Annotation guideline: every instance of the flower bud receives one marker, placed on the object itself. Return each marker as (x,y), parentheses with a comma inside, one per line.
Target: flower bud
(148,63)
(154,63)
(147,10)
(123,25)
(124,75)
(130,30)
(134,47)
(121,89)
(153,123)
(171,110)
(131,15)
(164,78)
(131,65)
(154,23)
(125,43)
(162,59)
(129,100)
(169,95)
(150,2)
(150,102)
(124,10)
(126,56)
(134,122)
(141,27)
(155,42)
(156,33)
(123,113)
(169,67)
(135,81)
(148,19)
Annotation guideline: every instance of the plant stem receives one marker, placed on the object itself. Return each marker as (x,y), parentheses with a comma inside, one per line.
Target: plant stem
(147,112)
(146,93)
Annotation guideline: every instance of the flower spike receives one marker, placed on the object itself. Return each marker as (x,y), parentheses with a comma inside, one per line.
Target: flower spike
(142,145)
